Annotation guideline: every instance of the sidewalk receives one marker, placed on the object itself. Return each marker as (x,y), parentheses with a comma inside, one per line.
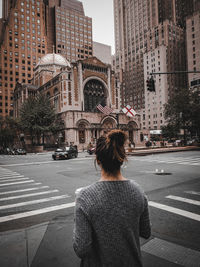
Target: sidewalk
(50,244)
(154,150)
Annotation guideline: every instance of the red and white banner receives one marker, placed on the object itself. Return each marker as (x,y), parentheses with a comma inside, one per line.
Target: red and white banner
(106,110)
(129,111)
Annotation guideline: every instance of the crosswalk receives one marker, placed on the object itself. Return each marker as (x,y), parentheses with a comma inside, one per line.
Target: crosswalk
(181,212)
(18,192)
(192,161)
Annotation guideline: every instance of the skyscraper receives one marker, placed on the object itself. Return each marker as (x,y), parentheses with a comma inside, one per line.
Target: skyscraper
(70,31)
(150,37)
(30,29)
(22,44)
(193,46)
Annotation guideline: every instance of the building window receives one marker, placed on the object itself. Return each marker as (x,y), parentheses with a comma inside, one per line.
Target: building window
(81,133)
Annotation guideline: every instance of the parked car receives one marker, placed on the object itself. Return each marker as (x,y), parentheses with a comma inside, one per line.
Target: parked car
(65,153)
(20,151)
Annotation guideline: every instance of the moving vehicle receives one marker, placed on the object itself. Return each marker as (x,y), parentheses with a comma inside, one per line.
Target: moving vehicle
(20,151)
(91,150)
(65,153)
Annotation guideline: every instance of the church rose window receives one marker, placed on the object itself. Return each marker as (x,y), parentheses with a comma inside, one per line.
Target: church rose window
(94,94)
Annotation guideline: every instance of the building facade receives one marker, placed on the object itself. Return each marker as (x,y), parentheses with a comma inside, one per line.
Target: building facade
(75,90)
(68,29)
(145,31)
(193,48)
(102,52)
(22,44)
(30,29)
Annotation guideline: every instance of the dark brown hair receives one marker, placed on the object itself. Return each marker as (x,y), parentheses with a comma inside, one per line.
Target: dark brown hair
(110,151)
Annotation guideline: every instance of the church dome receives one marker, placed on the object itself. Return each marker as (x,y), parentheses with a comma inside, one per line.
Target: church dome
(53,59)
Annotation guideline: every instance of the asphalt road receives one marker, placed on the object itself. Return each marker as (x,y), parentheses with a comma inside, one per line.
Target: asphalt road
(171,182)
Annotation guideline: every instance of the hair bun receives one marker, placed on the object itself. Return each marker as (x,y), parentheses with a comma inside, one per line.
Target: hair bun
(117,136)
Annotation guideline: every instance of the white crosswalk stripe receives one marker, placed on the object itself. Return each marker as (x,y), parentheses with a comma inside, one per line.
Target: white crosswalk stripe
(9,191)
(29,195)
(23,190)
(192,193)
(186,200)
(13,179)
(178,211)
(193,161)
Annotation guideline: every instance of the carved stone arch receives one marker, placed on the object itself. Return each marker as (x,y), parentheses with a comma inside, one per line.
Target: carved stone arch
(108,123)
(82,122)
(95,91)
(132,127)
(82,126)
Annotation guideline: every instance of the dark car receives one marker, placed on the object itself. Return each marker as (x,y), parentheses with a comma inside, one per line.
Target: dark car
(20,151)
(65,153)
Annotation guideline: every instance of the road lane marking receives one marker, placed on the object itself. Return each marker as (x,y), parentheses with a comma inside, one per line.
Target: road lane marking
(24,182)
(185,200)
(195,164)
(29,163)
(35,212)
(44,162)
(30,195)
(37,201)
(24,190)
(14,179)
(192,192)
(181,161)
(10,175)
(180,212)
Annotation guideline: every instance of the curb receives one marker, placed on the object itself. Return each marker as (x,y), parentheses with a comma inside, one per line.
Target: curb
(161,150)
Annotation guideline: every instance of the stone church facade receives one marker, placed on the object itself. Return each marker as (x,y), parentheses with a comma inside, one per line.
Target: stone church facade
(75,90)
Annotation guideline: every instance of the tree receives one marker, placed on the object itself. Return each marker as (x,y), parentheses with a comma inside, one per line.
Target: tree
(9,131)
(170,131)
(37,117)
(183,112)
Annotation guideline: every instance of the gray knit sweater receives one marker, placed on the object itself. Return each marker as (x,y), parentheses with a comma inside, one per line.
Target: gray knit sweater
(109,218)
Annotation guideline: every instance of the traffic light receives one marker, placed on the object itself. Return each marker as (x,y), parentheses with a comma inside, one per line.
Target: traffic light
(151,84)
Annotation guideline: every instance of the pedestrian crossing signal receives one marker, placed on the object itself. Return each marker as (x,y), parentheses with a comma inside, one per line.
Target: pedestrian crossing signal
(150,84)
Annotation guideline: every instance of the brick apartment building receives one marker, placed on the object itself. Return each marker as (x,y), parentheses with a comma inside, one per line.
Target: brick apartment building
(29,30)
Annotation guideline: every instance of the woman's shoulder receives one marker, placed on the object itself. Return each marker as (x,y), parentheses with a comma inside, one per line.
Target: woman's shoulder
(86,190)
(136,187)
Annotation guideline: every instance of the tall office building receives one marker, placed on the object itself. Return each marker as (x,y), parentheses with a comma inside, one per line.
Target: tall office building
(68,29)
(30,29)
(193,46)
(22,44)
(150,37)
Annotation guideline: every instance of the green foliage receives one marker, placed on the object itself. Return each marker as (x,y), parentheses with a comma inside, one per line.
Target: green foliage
(170,131)
(9,130)
(183,112)
(37,116)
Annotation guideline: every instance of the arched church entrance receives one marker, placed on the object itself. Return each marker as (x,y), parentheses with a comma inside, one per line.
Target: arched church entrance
(132,128)
(94,94)
(107,125)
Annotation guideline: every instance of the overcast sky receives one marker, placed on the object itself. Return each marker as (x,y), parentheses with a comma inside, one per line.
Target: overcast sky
(101,12)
